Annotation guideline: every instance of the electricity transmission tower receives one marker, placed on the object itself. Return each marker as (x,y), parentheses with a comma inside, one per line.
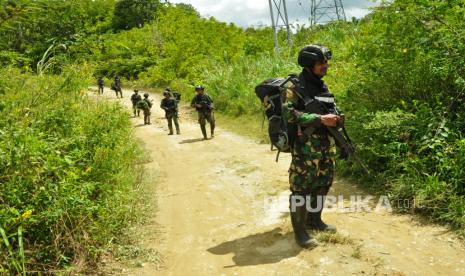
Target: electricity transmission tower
(279,20)
(323,11)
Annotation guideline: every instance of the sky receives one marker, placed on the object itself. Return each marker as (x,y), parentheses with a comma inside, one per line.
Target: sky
(247,13)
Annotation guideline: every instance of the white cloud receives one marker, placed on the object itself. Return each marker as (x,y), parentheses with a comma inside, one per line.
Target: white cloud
(246,12)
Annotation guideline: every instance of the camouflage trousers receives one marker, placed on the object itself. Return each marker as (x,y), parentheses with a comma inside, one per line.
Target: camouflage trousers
(135,110)
(172,117)
(119,90)
(206,116)
(146,116)
(312,165)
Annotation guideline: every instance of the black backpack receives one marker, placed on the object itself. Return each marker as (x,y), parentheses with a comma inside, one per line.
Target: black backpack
(177,96)
(272,94)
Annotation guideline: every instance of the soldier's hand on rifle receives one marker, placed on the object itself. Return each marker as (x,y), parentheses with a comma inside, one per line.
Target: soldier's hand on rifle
(198,105)
(329,119)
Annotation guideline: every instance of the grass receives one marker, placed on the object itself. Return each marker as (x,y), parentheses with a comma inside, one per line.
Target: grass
(70,174)
(333,238)
(357,253)
(249,126)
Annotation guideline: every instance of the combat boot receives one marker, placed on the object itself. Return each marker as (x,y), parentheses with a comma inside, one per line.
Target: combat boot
(171,131)
(314,221)
(204,132)
(302,238)
(212,131)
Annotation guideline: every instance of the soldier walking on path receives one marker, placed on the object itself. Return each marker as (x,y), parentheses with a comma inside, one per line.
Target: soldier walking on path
(135,98)
(118,86)
(171,112)
(203,103)
(145,104)
(100,85)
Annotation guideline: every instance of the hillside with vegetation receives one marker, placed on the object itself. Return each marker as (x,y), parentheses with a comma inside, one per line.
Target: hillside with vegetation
(398,75)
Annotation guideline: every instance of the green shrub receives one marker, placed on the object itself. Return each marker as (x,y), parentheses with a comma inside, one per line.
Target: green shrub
(67,166)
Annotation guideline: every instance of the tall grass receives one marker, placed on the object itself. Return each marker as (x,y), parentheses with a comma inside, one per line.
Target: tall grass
(67,172)
(232,85)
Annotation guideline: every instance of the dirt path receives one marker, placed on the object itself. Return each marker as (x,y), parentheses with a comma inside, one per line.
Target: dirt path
(219,214)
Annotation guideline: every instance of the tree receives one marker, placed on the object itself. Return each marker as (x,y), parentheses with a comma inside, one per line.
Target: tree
(133,13)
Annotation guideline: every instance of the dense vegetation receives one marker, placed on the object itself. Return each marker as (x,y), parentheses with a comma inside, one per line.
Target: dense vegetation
(67,172)
(398,74)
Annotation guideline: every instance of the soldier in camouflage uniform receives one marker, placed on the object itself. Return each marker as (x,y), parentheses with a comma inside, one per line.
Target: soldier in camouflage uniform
(203,103)
(313,150)
(171,112)
(100,84)
(145,104)
(135,98)
(117,83)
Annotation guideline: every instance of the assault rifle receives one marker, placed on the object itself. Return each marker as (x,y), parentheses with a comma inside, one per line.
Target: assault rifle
(325,104)
(206,105)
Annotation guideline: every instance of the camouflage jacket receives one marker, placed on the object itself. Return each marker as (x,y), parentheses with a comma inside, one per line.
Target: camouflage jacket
(144,104)
(204,100)
(135,98)
(299,121)
(169,105)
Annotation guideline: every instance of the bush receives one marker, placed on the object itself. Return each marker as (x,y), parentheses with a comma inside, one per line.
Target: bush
(67,167)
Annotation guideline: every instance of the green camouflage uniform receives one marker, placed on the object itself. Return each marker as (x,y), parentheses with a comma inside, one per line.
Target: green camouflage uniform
(171,113)
(145,104)
(135,98)
(313,156)
(118,86)
(100,84)
(205,112)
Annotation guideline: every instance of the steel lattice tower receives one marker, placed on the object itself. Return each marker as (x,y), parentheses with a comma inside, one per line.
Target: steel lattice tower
(279,20)
(323,11)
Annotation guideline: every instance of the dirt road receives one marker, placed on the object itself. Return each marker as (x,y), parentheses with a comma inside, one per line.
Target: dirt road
(222,210)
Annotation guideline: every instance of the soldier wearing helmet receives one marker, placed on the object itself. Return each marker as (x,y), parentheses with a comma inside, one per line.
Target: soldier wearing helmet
(100,84)
(135,98)
(117,86)
(203,103)
(312,148)
(145,104)
(171,111)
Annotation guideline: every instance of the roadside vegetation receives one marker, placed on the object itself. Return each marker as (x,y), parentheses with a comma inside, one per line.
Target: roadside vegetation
(69,174)
(398,74)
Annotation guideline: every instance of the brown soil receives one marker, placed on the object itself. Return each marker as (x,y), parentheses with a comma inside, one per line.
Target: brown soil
(218,214)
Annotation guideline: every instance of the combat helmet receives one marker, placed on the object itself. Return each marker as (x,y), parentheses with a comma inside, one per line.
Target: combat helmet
(146,95)
(199,88)
(310,54)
